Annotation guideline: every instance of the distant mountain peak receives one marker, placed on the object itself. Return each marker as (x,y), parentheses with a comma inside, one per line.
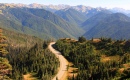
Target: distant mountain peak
(121,10)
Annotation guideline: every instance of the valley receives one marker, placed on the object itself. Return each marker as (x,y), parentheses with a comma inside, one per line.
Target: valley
(63,42)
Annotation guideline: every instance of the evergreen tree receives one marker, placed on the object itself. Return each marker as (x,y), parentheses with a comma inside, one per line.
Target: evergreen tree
(5,67)
(3,51)
(82,39)
(87,57)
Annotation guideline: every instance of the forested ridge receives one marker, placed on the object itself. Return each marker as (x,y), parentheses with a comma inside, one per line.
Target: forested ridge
(23,52)
(101,59)
(38,60)
(37,22)
(26,54)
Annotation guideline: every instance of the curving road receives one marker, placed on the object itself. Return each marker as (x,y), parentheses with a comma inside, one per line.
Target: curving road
(63,62)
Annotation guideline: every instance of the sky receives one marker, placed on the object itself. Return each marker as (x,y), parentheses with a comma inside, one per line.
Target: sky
(125,4)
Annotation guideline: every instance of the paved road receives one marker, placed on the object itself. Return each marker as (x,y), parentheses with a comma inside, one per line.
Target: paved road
(63,62)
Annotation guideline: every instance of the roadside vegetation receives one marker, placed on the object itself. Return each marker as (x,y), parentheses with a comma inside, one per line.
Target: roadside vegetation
(28,58)
(97,59)
(38,59)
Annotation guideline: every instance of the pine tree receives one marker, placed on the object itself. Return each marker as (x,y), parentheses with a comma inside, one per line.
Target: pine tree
(82,39)
(3,51)
(5,67)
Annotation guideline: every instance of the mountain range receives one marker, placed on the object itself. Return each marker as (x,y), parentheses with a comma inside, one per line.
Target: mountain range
(58,21)
(72,16)
(37,22)
(94,20)
(115,26)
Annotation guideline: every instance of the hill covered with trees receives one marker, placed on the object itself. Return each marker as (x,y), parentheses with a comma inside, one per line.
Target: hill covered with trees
(26,54)
(97,59)
(37,60)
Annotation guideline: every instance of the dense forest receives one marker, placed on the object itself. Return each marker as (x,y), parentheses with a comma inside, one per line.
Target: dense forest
(38,60)
(26,54)
(97,59)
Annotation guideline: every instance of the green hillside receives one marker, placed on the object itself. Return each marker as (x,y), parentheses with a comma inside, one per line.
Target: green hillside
(14,25)
(116,26)
(27,55)
(16,40)
(35,22)
(94,20)
(67,26)
(71,16)
(97,59)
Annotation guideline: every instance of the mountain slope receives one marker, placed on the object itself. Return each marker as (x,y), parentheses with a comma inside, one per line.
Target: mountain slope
(16,40)
(116,26)
(92,21)
(36,22)
(8,24)
(68,27)
(71,16)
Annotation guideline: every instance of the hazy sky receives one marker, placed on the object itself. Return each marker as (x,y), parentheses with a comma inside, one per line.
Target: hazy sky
(93,3)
